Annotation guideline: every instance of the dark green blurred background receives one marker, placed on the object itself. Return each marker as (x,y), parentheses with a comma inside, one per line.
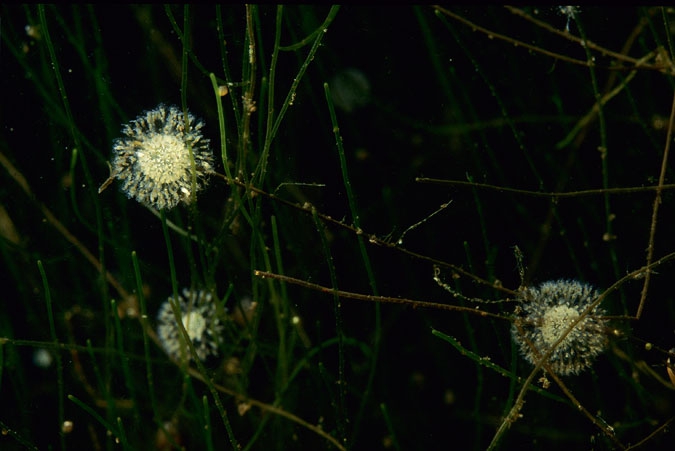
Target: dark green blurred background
(423,95)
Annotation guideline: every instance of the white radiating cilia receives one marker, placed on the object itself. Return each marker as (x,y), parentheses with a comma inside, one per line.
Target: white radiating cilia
(547,312)
(199,316)
(153,160)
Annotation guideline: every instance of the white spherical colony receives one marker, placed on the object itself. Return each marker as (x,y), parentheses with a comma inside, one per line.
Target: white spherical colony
(199,317)
(42,358)
(547,312)
(152,159)
(351,89)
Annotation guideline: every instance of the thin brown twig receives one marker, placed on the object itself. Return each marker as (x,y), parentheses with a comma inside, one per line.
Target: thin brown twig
(655,209)
(372,239)
(596,420)
(586,43)
(548,195)
(651,435)
(594,112)
(371,298)
(494,35)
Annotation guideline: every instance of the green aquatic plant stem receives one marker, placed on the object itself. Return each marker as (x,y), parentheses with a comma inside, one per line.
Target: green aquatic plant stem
(123,359)
(183,35)
(207,423)
(350,193)
(184,58)
(229,178)
(76,135)
(206,379)
(261,169)
(201,370)
(145,326)
(116,429)
(337,311)
(487,363)
(169,251)
(184,103)
(123,435)
(471,332)
(249,73)
(490,251)
(57,73)
(59,360)
(6,430)
(390,426)
(221,127)
(103,383)
(604,151)
(435,53)
(377,335)
(252,214)
(282,316)
(186,337)
(271,86)
(229,80)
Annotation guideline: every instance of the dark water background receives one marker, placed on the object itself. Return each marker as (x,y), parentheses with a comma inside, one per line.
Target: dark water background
(423,95)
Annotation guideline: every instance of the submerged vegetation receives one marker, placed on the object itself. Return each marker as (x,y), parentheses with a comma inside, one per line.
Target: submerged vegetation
(349,248)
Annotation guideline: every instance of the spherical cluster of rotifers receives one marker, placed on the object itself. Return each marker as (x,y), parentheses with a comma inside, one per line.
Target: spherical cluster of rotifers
(544,316)
(199,316)
(163,158)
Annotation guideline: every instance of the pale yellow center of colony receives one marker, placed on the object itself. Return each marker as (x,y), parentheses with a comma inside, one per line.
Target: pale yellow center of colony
(556,321)
(194,325)
(163,158)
